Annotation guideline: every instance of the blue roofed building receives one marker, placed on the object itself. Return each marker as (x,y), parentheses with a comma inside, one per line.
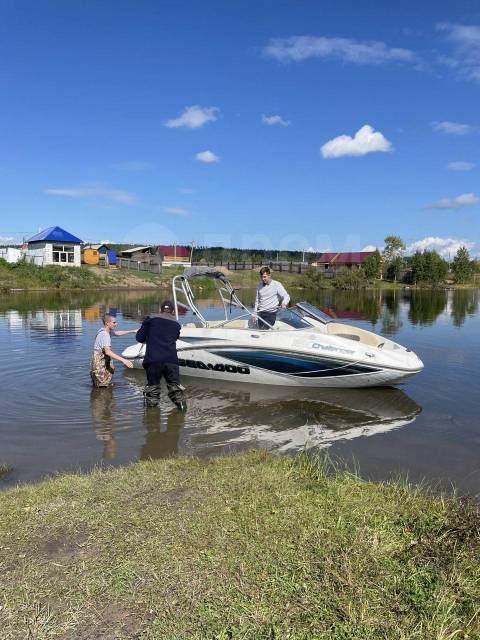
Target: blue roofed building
(54,246)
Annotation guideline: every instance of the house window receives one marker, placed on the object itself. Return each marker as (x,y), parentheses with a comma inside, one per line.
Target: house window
(63,253)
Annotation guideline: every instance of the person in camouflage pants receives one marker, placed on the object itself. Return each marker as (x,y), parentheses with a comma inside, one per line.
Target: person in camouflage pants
(101,366)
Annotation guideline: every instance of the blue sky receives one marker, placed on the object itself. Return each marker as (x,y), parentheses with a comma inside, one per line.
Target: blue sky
(277,124)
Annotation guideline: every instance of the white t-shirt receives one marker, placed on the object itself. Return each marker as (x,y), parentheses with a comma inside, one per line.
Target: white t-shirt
(102,340)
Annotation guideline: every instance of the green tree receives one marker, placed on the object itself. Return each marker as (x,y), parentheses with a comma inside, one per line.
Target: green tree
(436,267)
(373,266)
(428,267)
(462,266)
(395,267)
(393,255)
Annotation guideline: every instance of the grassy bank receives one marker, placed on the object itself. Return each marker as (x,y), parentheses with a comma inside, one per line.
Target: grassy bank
(27,276)
(250,546)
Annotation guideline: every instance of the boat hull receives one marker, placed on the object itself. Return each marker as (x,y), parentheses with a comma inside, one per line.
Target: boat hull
(296,370)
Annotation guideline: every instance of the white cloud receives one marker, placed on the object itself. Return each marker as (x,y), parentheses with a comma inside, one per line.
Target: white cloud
(105,242)
(134,165)
(6,239)
(207,156)
(454,128)
(465,40)
(460,166)
(366,140)
(369,247)
(271,120)
(446,247)
(298,48)
(193,117)
(464,200)
(176,211)
(94,191)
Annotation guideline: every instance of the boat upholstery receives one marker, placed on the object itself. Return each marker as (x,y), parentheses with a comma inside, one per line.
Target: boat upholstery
(353,333)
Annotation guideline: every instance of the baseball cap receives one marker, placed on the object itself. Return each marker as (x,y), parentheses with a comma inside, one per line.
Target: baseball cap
(167,305)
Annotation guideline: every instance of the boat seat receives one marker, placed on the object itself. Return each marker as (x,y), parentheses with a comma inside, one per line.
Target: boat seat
(353,333)
(233,324)
(348,336)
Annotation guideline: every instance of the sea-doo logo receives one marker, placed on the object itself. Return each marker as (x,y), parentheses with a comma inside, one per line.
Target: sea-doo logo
(228,368)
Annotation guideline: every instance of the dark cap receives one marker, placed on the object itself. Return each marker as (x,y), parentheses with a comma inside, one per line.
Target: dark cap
(167,305)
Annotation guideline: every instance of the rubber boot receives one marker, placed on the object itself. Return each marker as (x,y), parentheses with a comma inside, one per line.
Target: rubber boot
(151,394)
(176,393)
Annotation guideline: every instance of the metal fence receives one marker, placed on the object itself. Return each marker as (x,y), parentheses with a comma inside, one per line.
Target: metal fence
(243,265)
(134,265)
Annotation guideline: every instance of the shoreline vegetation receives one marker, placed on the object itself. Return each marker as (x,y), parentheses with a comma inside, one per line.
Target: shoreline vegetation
(250,546)
(22,276)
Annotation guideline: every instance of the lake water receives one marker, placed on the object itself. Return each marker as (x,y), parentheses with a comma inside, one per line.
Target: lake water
(51,420)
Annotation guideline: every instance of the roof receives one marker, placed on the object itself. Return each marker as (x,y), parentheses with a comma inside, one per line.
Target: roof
(351,257)
(56,234)
(135,249)
(97,247)
(172,250)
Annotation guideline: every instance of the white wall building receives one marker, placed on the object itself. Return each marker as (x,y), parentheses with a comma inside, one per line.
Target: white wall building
(54,246)
(11,254)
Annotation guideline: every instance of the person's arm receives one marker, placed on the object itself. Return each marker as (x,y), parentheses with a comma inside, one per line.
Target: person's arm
(141,335)
(284,297)
(108,352)
(255,308)
(123,332)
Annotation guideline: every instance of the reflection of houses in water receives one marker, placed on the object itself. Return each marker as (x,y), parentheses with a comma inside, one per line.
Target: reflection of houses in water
(342,314)
(55,322)
(14,319)
(92,313)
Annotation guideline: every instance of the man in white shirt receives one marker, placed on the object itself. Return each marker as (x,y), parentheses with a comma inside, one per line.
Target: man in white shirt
(271,295)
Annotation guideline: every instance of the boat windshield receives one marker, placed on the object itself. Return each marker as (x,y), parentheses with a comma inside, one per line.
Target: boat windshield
(293,319)
(305,309)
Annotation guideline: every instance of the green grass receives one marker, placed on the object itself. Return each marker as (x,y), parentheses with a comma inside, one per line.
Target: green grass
(4,470)
(242,547)
(27,276)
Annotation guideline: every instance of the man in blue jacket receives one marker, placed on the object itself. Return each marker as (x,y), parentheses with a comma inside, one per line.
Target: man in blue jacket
(160,333)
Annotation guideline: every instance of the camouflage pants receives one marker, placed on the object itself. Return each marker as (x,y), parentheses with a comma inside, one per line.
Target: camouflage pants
(101,369)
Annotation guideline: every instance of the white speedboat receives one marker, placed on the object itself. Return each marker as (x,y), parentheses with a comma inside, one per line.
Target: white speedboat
(305,348)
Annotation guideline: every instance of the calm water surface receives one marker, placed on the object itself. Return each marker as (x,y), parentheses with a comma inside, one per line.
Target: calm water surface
(51,419)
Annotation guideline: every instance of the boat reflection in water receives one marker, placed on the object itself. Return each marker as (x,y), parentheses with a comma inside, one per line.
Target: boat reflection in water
(224,417)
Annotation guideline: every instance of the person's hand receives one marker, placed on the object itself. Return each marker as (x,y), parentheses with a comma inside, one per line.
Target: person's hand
(284,306)
(128,363)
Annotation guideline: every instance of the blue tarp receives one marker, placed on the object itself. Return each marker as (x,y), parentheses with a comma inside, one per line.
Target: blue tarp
(54,234)
(112,256)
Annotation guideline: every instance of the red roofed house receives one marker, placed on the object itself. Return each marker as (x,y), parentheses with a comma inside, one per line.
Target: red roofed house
(175,255)
(333,261)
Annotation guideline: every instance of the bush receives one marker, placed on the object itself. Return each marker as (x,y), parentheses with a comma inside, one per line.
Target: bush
(313,279)
(351,278)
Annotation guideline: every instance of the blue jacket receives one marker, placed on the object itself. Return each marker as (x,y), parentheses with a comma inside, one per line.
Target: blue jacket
(160,333)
